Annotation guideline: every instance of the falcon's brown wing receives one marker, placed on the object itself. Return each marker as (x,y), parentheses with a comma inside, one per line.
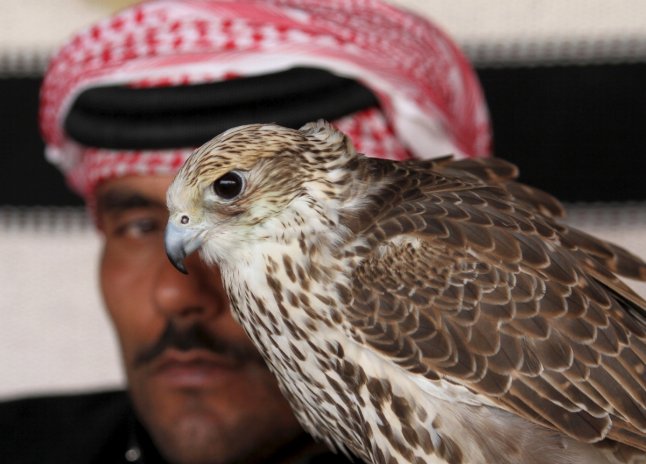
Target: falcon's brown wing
(471,279)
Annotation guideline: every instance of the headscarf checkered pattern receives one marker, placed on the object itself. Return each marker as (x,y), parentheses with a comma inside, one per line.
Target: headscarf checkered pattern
(430,100)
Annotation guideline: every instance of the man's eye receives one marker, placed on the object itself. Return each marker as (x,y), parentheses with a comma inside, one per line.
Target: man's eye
(137,228)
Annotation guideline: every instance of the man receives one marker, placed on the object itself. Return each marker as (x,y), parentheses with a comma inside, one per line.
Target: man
(122,104)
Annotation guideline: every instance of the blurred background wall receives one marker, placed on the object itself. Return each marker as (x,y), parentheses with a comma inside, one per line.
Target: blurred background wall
(565,83)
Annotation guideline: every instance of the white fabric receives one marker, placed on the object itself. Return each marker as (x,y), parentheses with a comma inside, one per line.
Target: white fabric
(428,92)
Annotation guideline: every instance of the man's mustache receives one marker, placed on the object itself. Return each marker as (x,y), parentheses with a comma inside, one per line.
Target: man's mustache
(197,337)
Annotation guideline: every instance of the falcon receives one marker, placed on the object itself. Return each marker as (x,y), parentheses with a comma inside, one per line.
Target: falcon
(419,311)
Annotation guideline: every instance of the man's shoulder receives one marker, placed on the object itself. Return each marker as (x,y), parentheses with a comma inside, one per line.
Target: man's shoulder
(67,400)
(63,425)
(64,410)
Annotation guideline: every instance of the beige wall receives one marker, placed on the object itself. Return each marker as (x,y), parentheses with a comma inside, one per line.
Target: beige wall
(498,31)
(54,334)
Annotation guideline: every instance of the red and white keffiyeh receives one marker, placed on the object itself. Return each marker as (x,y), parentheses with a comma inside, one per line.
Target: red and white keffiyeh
(431,101)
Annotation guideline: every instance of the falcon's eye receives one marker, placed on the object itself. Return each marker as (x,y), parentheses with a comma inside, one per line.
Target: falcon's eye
(228,186)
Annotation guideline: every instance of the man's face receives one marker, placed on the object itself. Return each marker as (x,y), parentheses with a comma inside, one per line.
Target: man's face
(197,383)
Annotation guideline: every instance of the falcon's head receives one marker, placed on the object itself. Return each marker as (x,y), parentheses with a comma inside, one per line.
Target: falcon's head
(235,185)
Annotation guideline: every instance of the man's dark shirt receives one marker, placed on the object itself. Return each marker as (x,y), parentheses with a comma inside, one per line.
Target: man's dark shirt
(93,428)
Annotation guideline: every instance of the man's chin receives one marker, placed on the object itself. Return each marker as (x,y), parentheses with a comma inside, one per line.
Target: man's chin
(188,425)
(198,438)
(213,414)
(195,437)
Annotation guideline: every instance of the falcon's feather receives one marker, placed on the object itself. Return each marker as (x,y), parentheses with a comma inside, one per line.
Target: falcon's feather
(423,311)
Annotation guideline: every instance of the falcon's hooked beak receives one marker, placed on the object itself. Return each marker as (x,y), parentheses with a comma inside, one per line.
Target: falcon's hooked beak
(180,242)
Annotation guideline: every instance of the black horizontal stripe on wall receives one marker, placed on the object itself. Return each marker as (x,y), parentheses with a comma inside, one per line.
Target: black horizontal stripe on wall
(578,132)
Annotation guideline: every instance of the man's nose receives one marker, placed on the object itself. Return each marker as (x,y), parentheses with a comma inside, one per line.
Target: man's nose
(185,297)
